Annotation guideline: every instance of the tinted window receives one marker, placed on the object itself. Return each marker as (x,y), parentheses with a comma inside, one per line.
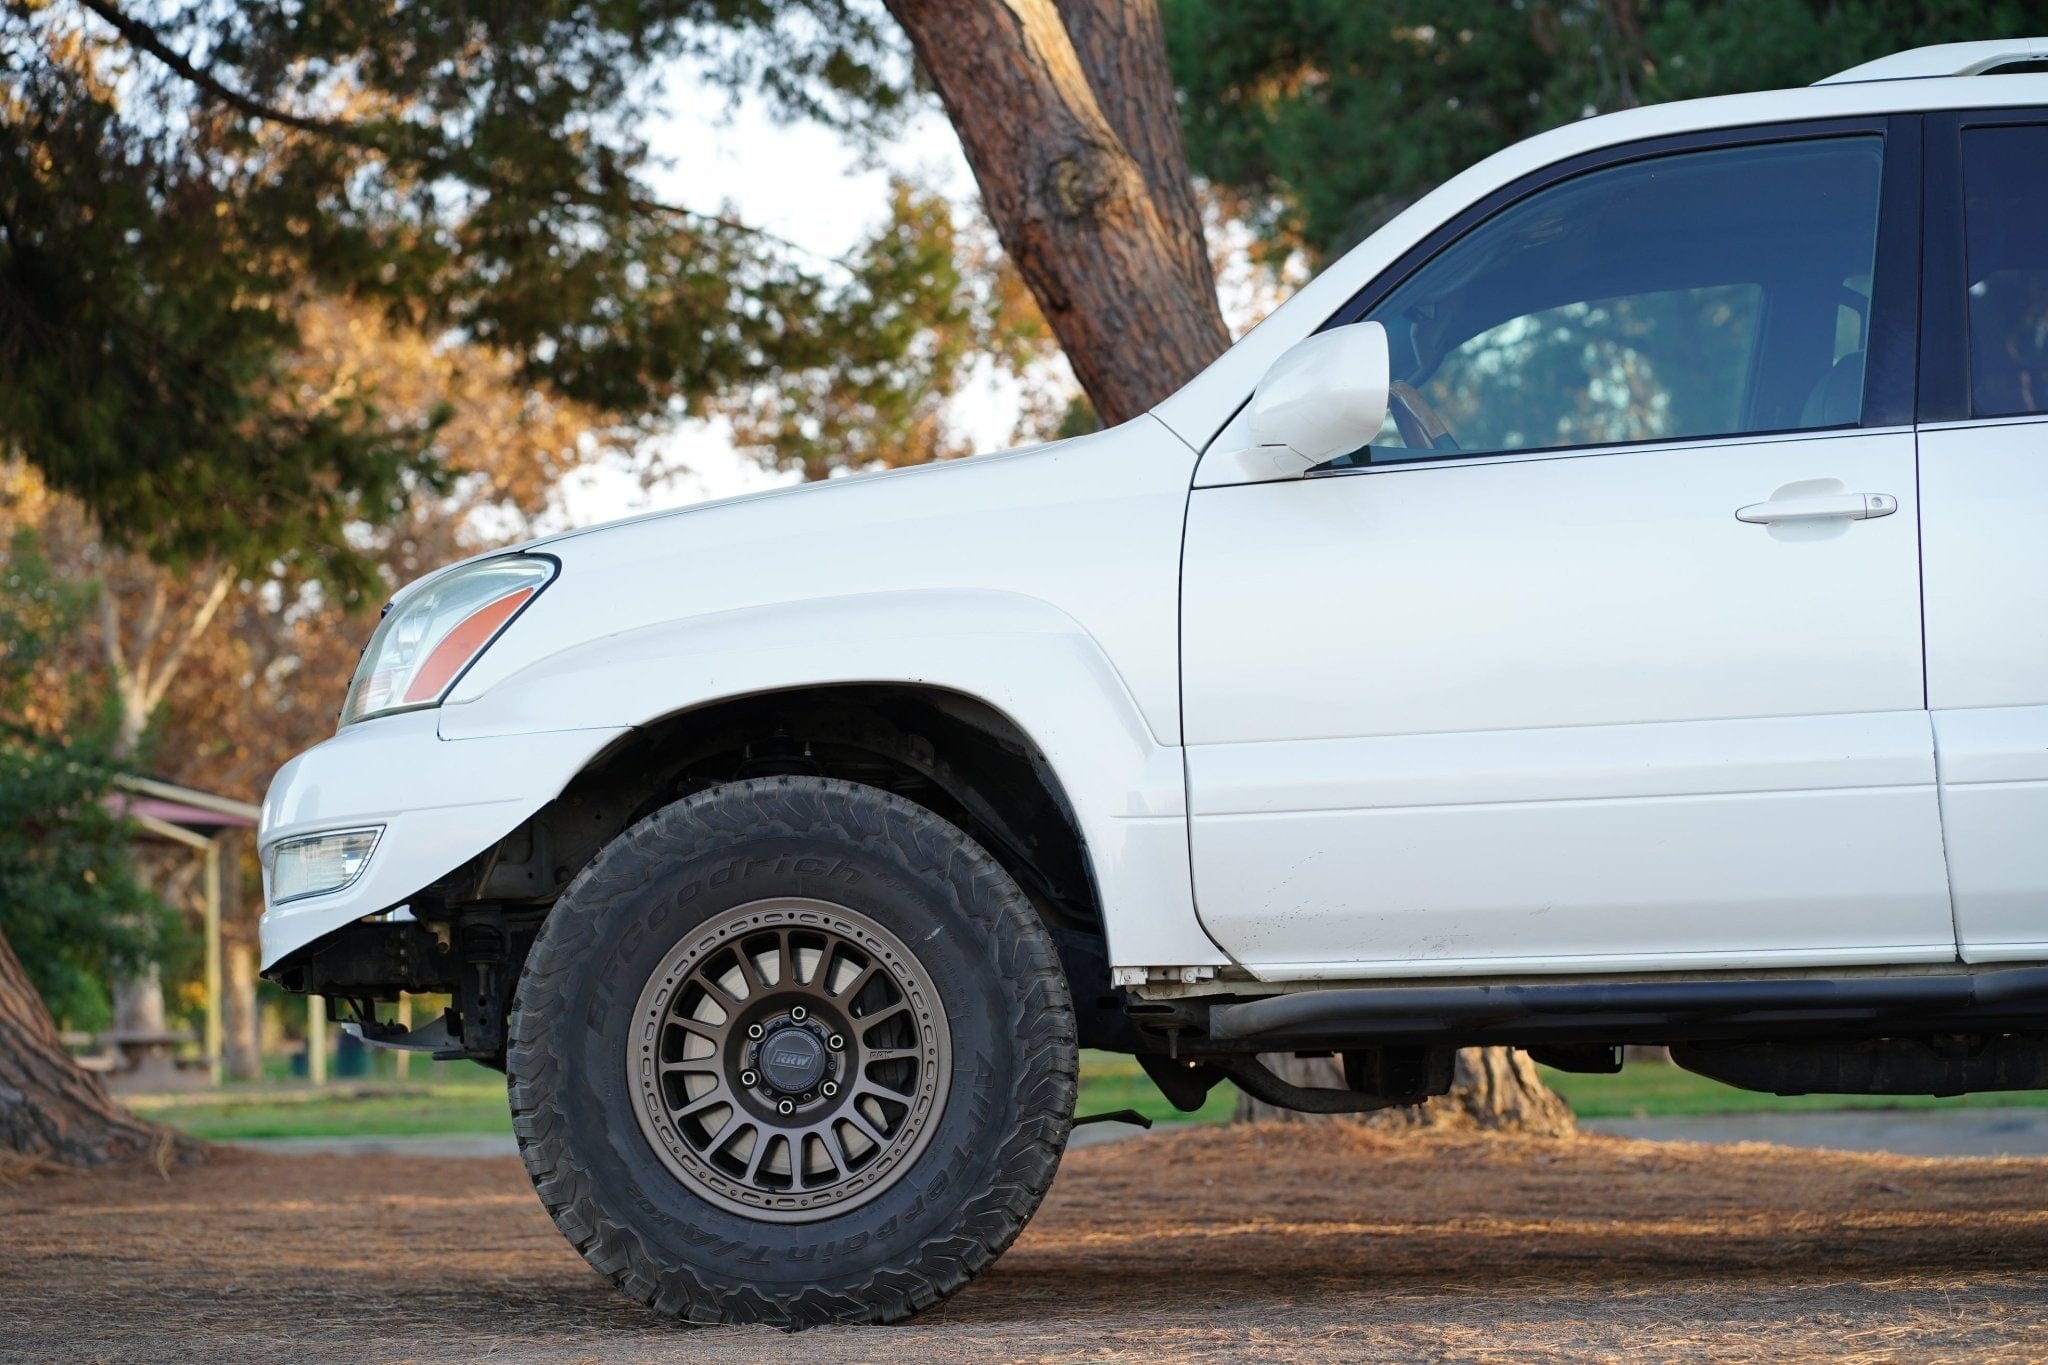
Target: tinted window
(1700,294)
(2005,217)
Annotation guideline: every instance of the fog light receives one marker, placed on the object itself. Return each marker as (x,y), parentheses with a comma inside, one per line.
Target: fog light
(320,863)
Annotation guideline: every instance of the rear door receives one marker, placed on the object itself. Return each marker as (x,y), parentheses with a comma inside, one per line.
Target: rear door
(1596,682)
(1984,509)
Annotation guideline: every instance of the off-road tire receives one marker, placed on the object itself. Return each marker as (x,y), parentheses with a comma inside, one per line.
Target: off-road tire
(994,1145)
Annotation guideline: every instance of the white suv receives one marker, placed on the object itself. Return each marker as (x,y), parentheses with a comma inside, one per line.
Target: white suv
(1609,605)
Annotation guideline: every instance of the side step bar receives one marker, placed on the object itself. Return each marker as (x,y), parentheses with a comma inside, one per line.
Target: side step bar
(1407,1011)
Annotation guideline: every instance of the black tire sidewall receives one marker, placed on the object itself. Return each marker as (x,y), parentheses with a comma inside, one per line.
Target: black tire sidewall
(674,874)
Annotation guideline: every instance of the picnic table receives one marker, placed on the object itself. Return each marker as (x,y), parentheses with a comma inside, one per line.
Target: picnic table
(147,1059)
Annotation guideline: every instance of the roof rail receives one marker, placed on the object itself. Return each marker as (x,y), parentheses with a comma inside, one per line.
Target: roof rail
(1945,59)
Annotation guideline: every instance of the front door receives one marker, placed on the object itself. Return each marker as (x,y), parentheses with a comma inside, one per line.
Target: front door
(1606,655)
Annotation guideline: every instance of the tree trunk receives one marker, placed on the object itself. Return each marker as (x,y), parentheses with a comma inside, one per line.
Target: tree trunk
(1067,117)
(1493,1088)
(242,1026)
(1066,112)
(51,1110)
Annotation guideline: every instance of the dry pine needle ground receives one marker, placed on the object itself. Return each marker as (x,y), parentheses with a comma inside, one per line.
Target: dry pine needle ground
(1280,1243)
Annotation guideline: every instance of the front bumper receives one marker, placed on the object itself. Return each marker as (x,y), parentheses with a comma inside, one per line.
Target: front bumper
(440,803)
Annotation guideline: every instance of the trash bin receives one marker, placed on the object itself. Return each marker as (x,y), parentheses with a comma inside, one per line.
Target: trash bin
(351,1057)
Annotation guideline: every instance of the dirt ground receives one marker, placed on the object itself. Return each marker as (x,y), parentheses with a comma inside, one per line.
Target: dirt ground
(1281,1243)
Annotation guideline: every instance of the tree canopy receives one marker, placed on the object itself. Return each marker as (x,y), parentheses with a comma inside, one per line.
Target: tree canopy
(1321,119)
(180,183)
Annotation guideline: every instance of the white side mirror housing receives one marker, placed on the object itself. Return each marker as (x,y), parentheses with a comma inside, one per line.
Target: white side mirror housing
(1324,396)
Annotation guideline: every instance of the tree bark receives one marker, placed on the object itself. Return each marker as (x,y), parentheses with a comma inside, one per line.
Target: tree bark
(1495,1089)
(1066,114)
(52,1110)
(241,1024)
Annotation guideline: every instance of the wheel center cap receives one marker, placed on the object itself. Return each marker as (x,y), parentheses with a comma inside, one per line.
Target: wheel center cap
(793,1060)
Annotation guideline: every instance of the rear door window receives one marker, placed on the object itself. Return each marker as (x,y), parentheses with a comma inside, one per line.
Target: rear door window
(2005,227)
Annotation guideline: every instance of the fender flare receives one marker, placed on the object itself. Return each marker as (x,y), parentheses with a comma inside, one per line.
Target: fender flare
(1018,655)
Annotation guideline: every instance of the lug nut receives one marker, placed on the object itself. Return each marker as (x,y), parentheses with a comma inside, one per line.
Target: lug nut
(750,1078)
(798,1013)
(786,1107)
(755,1030)
(835,1042)
(829,1089)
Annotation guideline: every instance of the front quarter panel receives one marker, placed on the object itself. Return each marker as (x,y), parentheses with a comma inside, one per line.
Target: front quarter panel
(1042,583)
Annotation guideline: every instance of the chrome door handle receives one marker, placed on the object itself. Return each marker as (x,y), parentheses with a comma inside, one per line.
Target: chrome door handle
(1850,506)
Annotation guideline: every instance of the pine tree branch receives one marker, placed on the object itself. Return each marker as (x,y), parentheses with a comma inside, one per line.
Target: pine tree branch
(150,41)
(355,135)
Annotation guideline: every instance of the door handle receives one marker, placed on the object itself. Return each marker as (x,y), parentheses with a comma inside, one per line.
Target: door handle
(1850,506)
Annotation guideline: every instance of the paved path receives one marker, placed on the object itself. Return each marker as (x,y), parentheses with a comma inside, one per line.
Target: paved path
(1904,1132)
(451,1144)
(503,1144)
(1952,1132)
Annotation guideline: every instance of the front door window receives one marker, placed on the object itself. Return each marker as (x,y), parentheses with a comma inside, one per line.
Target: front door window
(1695,295)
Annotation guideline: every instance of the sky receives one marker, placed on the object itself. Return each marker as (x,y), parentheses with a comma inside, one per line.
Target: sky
(807,185)
(800,182)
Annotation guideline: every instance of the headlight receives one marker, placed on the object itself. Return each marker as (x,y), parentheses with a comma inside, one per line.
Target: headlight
(320,863)
(423,646)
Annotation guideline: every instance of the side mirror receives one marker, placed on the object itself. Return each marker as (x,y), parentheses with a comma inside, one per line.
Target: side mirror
(1323,397)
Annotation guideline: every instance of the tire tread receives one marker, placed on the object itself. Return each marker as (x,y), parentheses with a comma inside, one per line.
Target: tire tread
(1040,1016)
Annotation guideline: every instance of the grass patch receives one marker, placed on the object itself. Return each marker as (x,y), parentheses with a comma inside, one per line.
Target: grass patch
(463,1098)
(1111,1081)
(463,1106)
(1649,1089)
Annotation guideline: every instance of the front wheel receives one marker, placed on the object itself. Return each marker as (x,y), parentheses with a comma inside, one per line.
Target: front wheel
(792,1051)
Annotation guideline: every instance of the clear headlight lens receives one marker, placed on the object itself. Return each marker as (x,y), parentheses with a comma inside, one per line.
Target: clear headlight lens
(321,863)
(423,645)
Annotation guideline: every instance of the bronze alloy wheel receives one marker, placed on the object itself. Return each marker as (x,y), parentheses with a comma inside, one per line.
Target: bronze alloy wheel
(791,1050)
(787,1058)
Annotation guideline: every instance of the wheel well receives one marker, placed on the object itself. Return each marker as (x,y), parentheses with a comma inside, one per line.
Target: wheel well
(952,754)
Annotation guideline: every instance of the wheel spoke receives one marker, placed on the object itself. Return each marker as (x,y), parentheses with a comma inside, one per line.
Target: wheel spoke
(866,1022)
(785,960)
(888,1054)
(795,1143)
(726,1131)
(851,1114)
(701,1065)
(828,1143)
(859,982)
(738,1126)
(750,972)
(763,1140)
(714,1033)
(749,985)
(868,1086)
(708,1100)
